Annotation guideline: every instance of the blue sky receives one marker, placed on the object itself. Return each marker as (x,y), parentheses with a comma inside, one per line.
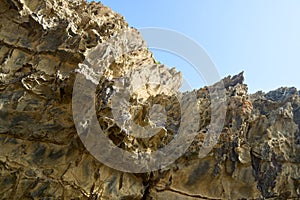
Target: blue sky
(260,37)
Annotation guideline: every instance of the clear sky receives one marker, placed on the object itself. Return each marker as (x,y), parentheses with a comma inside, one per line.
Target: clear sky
(259,37)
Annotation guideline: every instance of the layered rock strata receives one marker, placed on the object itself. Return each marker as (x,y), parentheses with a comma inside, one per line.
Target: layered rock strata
(44,46)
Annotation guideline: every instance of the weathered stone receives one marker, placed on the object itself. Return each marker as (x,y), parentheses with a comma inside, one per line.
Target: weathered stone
(44,46)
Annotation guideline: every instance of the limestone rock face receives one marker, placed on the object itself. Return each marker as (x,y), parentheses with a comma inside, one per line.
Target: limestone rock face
(257,155)
(45,45)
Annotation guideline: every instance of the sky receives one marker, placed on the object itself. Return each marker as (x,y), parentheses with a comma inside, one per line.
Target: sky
(259,37)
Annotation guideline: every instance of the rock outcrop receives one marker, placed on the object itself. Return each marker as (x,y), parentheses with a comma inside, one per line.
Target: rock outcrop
(45,45)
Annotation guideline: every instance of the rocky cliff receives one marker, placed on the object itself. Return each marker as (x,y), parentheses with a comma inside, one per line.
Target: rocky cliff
(45,45)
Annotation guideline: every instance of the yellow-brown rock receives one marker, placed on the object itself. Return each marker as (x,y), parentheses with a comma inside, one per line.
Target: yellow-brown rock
(43,46)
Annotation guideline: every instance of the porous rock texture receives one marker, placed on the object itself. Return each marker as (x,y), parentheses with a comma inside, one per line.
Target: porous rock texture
(43,46)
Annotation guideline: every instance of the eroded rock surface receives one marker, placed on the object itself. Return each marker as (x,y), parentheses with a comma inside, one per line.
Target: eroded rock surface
(43,46)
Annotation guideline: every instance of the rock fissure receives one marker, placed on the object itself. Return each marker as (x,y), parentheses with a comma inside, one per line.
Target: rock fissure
(43,43)
(186,194)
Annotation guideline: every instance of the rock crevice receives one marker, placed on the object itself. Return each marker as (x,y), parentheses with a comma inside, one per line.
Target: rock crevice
(45,46)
